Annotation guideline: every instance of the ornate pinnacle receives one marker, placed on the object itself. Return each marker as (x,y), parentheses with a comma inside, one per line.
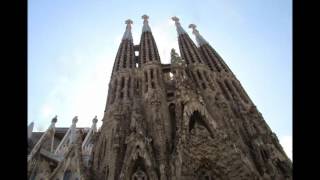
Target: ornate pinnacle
(128,22)
(175,19)
(145,23)
(193,27)
(179,28)
(95,120)
(75,120)
(54,119)
(199,38)
(127,33)
(145,17)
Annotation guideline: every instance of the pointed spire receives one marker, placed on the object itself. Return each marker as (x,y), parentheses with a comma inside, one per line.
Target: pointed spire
(75,120)
(43,138)
(201,41)
(127,34)
(73,130)
(54,120)
(30,129)
(95,120)
(94,123)
(148,48)
(146,26)
(180,30)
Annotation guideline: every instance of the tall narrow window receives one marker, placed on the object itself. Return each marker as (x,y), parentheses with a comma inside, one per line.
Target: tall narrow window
(132,57)
(129,87)
(151,74)
(144,48)
(199,75)
(151,78)
(172,111)
(67,175)
(146,81)
(122,86)
(124,60)
(229,88)
(206,76)
(224,91)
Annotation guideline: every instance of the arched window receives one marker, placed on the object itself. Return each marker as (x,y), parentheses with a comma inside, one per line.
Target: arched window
(67,175)
(196,117)
(139,175)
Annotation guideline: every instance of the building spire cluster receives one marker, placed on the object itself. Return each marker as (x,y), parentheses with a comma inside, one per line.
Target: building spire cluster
(190,119)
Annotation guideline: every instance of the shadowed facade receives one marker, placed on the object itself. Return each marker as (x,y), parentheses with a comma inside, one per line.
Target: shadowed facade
(187,120)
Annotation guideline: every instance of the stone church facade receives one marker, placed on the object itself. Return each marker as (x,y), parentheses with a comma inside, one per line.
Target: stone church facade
(188,120)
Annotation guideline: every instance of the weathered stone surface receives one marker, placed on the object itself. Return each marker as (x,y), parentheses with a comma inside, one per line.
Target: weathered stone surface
(188,120)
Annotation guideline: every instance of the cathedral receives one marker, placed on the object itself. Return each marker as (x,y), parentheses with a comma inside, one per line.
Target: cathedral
(187,120)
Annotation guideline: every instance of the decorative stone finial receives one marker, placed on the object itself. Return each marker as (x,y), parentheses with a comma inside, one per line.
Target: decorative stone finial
(75,120)
(54,119)
(129,22)
(127,34)
(199,38)
(193,27)
(95,120)
(145,27)
(175,19)
(179,28)
(145,17)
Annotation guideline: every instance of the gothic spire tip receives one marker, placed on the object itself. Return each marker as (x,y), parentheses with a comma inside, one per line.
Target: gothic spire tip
(145,17)
(54,119)
(177,23)
(95,119)
(175,19)
(192,26)
(75,120)
(199,38)
(127,34)
(145,27)
(128,22)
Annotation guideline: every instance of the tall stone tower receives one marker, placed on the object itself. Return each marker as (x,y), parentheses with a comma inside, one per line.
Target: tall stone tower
(187,120)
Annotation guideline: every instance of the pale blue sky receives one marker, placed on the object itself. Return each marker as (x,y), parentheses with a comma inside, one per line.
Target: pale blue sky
(72,46)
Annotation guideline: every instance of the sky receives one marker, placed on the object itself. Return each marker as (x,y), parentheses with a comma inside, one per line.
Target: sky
(72,46)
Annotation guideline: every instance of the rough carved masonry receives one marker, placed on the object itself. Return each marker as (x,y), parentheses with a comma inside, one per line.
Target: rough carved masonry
(188,120)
